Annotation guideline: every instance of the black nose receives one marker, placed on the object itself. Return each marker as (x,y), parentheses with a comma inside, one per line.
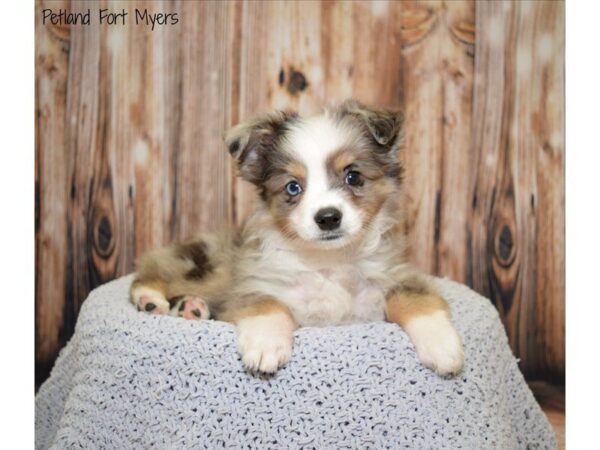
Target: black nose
(328,218)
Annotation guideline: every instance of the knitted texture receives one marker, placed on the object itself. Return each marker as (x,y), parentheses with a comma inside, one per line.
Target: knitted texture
(132,380)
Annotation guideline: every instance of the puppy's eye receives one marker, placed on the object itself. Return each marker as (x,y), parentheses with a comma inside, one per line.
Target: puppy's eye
(353,178)
(293,188)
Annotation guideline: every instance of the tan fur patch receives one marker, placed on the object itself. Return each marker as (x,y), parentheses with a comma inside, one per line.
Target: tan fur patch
(401,308)
(340,160)
(296,170)
(263,306)
(370,201)
(280,203)
(374,187)
(282,220)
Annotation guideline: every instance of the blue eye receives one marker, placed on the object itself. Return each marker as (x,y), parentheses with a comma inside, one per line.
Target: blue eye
(353,178)
(293,188)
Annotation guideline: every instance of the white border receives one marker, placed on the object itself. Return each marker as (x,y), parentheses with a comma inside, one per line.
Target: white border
(583,224)
(17,232)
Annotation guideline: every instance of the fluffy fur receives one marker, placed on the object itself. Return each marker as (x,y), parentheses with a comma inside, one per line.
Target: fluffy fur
(324,246)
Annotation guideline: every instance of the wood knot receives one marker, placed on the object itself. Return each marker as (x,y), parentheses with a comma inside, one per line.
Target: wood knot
(296,82)
(61,32)
(464,31)
(504,247)
(103,237)
(416,23)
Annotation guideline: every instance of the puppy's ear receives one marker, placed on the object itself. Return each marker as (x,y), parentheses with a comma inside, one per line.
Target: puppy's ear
(254,144)
(383,126)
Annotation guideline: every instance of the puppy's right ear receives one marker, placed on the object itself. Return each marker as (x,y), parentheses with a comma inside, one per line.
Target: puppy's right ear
(384,126)
(254,144)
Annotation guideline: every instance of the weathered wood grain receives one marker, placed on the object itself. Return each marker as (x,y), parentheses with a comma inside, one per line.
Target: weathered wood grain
(91,251)
(452,200)
(548,125)
(422,36)
(129,125)
(203,165)
(515,118)
(151,114)
(376,63)
(51,59)
(438,48)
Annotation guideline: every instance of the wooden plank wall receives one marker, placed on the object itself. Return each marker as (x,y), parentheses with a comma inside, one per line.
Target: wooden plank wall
(129,154)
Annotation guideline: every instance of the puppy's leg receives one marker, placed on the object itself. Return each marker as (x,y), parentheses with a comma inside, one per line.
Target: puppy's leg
(425,316)
(265,334)
(172,278)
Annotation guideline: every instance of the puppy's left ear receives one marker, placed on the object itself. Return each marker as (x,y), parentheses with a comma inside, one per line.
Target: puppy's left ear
(383,126)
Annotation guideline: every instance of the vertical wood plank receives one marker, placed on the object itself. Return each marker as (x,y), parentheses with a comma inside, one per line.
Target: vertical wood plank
(513,225)
(491,98)
(453,202)
(150,85)
(52,53)
(510,98)
(377,45)
(548,124)
(337,50)
(203,179)
(422,37)
(438,50)
(90,184)
(152,104)
(114,230)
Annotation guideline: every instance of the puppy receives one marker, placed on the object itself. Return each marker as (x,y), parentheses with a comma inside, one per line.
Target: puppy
(324,247)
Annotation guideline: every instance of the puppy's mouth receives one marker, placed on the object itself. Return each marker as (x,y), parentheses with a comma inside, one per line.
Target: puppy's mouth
(331,236)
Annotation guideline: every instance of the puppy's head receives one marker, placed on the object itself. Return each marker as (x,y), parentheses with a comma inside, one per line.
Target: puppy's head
(324,179)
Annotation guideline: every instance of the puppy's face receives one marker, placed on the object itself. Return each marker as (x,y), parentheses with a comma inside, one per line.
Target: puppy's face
(324,179)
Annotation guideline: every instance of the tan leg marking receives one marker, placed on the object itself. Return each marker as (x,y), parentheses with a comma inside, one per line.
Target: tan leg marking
(426,320)
(401,308)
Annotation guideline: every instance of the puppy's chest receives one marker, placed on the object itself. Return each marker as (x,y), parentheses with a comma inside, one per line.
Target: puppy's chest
(337,295)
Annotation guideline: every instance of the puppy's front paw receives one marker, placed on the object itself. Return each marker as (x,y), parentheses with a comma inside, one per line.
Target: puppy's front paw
(149,300)
(265,342)
(438,345)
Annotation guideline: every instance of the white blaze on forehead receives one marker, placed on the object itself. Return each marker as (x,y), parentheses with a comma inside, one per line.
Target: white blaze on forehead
(312,141)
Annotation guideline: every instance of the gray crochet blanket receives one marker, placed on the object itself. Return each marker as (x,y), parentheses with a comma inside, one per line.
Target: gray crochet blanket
(131,380)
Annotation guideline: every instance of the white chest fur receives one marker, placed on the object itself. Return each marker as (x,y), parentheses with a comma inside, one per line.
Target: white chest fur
(322,287)
(318,291)
(334,296)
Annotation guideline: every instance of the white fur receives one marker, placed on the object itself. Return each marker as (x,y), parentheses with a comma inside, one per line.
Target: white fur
(265,342)
(155,297)
(438,344)
(322,287)
(312,142)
